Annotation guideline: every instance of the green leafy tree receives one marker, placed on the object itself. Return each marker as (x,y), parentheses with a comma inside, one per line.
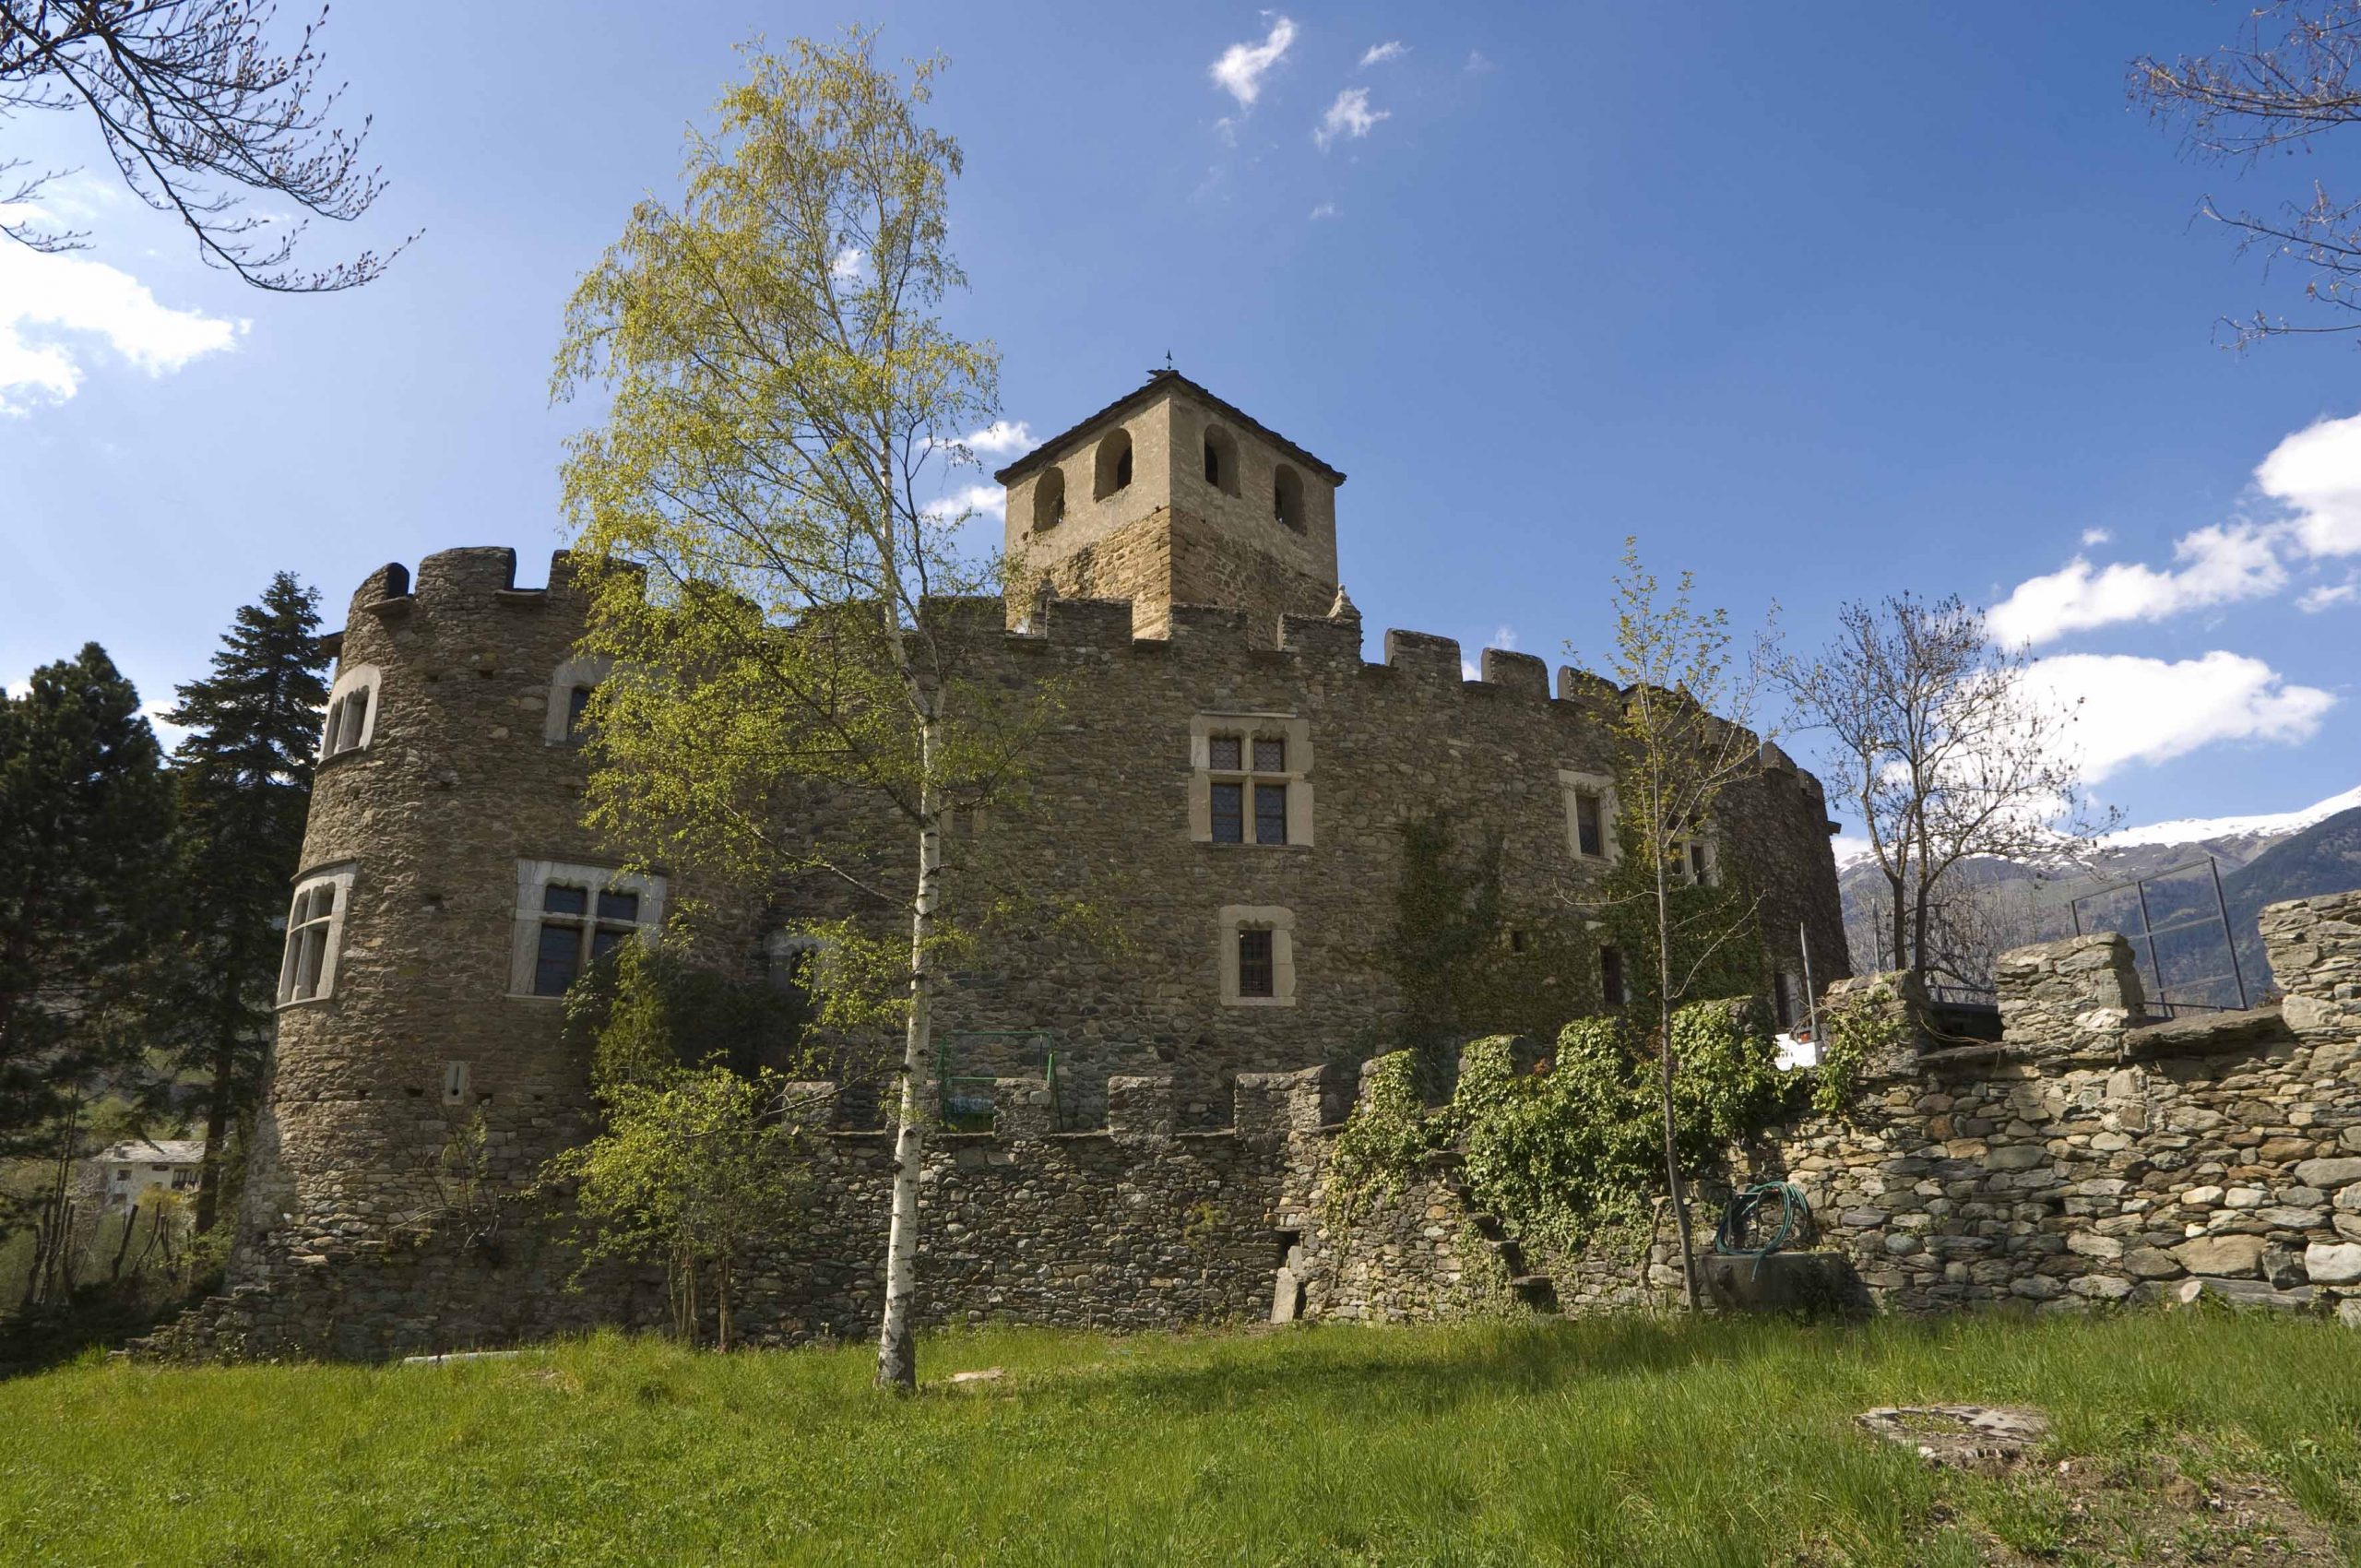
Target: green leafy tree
(85,817)
(697,1163)
(782,405)
(244,773)
(1682,741)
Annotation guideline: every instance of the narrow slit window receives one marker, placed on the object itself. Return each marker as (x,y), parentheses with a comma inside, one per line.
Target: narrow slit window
(1213,462)
(1256,971)
(1611,986)
(578,711)
(1700,863)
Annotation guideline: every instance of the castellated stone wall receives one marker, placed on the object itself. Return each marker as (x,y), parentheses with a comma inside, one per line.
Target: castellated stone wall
(2093,1156)
(465,781)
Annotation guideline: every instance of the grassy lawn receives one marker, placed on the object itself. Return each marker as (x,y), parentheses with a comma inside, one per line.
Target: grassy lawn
(2188,1437)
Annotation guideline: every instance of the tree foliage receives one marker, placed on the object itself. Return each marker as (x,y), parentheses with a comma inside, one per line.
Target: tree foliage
(243,778)
(699,1161)
(1682,742)
(784,404)
(194,108)
(2286,83)
(85,817)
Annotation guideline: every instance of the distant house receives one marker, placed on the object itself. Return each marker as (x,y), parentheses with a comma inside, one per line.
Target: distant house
(128,1171)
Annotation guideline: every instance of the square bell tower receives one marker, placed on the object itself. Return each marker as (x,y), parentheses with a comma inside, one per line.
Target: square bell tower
(1171,497)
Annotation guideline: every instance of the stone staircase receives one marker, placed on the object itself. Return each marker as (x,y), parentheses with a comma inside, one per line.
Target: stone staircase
(1537,1292)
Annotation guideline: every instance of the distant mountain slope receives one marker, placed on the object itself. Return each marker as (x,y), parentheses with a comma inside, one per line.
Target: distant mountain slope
(2263,859)
(2323,858)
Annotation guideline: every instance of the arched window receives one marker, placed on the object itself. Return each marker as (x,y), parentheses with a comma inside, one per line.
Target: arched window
(352,712)
(1049,498)
(1114,465)
(1287,497)
(1221,460)
(570,687)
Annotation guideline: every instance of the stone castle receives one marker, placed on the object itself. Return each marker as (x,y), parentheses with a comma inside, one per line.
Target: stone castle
(1233,776)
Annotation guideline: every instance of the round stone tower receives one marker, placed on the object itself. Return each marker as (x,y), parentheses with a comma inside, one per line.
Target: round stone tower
(447,889)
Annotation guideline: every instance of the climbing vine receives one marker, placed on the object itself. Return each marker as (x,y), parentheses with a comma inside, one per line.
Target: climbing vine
(1385,1138)
(1849,1036)
(1573,1147)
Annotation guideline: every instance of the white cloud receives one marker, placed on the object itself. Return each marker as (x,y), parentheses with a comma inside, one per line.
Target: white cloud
(2221,562)
(1478,63)
(1325,209)
(847,268)
(2326,596)
(1378,53)
(2149,710)
(2317,474)
(1505,638)
(2097,536)
(973,502)
(56,310)
(1350,116)
(1242,66)
(1002,438)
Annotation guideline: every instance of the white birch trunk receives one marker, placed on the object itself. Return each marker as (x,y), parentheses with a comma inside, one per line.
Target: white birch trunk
(898,1366)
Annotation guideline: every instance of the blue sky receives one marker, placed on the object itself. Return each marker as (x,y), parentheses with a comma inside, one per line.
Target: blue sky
(1821,301)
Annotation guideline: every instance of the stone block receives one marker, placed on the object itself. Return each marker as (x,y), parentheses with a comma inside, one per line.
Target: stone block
(2225,1257)
(2332,1262)
(2332,1172)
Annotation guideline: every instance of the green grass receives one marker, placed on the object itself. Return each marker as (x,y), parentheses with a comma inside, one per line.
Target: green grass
(1635,1440)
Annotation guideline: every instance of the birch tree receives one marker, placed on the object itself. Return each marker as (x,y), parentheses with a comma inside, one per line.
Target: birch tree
(1682,741)
(783,402)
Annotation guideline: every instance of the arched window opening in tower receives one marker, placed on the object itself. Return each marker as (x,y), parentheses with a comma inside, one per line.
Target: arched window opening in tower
(1113,469)
(1221,460)
(1049,499)
(1287,497)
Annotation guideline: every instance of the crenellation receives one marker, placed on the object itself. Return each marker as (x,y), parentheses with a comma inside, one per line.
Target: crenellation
(450,576)
(1520,674)
(1423,657)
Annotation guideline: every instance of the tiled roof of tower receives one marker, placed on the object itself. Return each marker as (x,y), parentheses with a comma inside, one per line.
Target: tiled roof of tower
(1158,382)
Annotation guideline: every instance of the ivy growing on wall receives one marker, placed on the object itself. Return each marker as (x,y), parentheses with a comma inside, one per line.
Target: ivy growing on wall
(1465,963)
(1869,1025)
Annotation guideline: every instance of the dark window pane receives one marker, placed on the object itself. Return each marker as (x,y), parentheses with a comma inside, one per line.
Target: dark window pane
(1270,756)
(1588,825)
(619,906)
(559,899)
(1610,975)
(577,707)
(1230,814)
(311,956)
(1226,753)
(1270,813)
(1213,464)
(1123,469)
(559,961)
(1697,863)
(1254,966)
(605,939)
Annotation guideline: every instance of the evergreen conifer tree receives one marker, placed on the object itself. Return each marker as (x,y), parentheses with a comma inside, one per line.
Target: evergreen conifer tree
(245,782)
(85,825)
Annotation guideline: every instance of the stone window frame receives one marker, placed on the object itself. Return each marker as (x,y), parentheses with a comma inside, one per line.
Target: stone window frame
(339,881)
(1691,845)
(1279,921)
(1574,783)
(589,669)
(533,876)
(1295,731)
(340,732)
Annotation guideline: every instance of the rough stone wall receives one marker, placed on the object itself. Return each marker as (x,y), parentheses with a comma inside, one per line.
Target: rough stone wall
(1133,1226)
